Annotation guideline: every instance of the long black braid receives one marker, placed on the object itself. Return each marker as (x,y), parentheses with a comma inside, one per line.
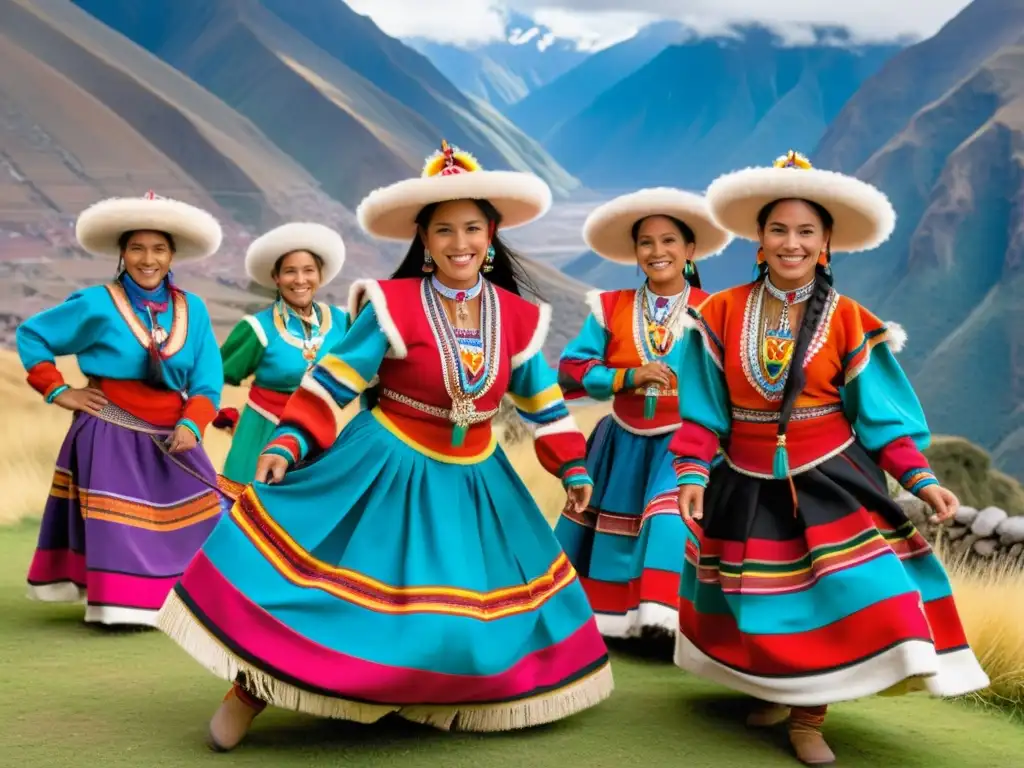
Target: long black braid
(796,377)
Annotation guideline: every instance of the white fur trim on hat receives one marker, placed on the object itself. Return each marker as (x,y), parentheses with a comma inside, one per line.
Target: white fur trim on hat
(864,218)
(197,234)
(266,249)
(608,228)
(390,212)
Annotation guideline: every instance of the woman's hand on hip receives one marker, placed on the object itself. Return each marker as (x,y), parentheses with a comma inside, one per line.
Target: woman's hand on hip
(87,399)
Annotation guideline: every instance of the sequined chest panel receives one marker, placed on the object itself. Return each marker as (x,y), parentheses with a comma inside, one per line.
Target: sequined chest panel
(765,352)
(657,323)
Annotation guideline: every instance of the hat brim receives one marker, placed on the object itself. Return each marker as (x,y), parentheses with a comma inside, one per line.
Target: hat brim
(266,249)
(608,228)
(390,212)
(863,216)
(197,234)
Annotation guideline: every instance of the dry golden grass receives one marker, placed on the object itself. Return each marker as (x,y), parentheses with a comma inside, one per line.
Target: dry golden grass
(31,433)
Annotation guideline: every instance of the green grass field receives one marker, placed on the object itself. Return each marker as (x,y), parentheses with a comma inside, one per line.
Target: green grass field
(73,695)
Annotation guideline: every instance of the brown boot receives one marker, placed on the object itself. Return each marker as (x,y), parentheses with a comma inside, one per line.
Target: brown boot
(767,714)
(805,736)
(232,719)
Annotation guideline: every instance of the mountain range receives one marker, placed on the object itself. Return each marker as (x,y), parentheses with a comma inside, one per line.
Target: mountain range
(264,111)
(504,72)
(261,111)
(938,125)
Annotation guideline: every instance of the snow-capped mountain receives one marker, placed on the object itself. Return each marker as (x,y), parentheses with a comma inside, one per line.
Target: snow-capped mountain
(505,71)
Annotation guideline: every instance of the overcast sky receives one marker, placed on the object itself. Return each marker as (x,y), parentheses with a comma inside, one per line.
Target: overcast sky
(600,22)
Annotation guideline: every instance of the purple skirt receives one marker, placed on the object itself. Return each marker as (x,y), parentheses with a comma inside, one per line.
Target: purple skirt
(122,521)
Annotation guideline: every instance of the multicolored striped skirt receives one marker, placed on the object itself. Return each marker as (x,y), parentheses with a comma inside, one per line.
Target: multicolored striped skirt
(377,579)
(123,519)
(628,546)
(840,599)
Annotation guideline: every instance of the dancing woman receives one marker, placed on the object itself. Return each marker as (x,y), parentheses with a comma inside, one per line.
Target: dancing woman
(134,494)
(628,545)
(808,585)
(279,344)
(404,567)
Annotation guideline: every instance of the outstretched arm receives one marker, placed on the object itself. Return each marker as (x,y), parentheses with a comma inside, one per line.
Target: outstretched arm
(206,379)
(560,446)
(308,425)
(880,402)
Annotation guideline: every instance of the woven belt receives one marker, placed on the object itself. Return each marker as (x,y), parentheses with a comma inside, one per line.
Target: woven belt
(799,414)
(467,416)
(118,416)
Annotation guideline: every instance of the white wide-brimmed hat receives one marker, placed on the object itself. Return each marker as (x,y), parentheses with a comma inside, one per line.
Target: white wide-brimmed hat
(451,174)
(608,228)
(265,250)
(197,234)
(863,216)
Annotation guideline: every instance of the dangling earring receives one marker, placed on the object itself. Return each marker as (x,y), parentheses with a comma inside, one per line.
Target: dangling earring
(489,259)
(756,274)
(428,262)
(688,269)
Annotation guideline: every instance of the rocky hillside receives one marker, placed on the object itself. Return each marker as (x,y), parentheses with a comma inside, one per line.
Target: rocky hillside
(258,111)
(356,108)
(950,154)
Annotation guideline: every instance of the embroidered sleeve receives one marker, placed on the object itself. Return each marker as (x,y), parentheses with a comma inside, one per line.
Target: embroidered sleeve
(308,425)
(560,446)
(703,397)
(206,379)
(69,328)
(879,400)
(582,370)
(242,350)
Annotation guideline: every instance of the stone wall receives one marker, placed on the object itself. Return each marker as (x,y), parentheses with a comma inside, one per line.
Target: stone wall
(985,535)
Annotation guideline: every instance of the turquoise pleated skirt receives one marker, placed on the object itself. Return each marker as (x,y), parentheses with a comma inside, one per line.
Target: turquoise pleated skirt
(377,579)
(629,547)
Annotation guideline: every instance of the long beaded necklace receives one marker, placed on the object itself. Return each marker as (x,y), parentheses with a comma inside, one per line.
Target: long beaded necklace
(655,327)
(777,344)
(312,337)
(469,357)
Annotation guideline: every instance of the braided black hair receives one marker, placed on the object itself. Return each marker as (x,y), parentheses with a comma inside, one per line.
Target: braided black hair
(796,378)
(692,276)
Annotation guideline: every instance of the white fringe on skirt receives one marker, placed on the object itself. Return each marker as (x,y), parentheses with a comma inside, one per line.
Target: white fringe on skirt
(178,623)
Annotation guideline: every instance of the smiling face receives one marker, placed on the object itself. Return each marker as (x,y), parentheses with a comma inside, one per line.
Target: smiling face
(147,257)
(457,239)
(298,275)
(793,237)
(662,251)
